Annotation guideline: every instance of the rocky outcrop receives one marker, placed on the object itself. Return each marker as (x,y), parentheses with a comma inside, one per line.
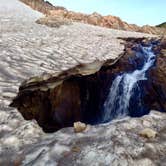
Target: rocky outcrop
(94,18)
(153,30)
(42,6)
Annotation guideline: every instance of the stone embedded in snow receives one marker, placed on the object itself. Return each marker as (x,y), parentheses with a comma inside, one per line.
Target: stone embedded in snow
(79,127)
(55,22)
(148,133)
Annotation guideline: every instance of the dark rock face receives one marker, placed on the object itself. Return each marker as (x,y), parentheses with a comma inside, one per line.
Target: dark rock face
(54,109)
(76,99)
(59,101)
(158,75)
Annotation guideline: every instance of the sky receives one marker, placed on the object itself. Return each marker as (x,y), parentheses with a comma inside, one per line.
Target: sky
(140,12)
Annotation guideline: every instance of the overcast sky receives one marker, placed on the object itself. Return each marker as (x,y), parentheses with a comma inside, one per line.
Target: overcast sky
(139,12)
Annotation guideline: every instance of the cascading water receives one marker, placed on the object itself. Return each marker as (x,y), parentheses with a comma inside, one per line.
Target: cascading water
(126,92)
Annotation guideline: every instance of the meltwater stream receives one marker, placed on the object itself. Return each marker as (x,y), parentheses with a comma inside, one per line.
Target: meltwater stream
(126,91)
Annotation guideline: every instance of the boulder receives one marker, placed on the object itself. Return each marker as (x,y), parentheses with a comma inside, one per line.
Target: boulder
(79,127)
(148,133)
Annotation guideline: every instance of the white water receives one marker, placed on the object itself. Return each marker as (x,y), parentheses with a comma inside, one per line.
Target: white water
(123,86)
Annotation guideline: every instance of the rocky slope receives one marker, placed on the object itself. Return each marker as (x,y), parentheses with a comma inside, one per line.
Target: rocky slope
(94,18)
(42,6)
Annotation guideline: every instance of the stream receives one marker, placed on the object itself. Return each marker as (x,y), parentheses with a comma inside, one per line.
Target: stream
(126,92)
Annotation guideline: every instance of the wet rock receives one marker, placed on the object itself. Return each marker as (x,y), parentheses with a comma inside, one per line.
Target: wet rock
(79,127)
(148,133)
(158,78)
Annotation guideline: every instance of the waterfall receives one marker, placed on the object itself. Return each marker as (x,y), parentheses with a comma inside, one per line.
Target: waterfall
(126,86)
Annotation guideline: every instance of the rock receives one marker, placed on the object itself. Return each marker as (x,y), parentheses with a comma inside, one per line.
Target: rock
(42,6)
(76,149)
(148,133)
(79,127)
(55,22)
(94,19)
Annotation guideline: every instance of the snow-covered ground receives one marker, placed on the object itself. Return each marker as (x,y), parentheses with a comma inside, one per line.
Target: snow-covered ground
(28,49)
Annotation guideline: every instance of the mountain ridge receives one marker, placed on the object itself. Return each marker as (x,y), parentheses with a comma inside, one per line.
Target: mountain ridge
(162,25)
(95,18)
